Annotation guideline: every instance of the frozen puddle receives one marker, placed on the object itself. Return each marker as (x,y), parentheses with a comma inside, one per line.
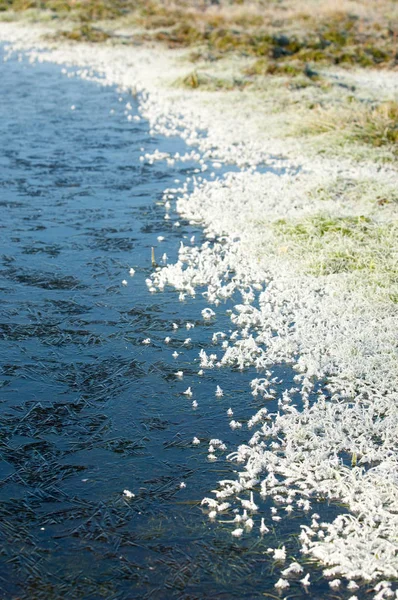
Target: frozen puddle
(151,440)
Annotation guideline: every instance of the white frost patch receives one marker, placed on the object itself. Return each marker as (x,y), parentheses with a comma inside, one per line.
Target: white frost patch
(280,554)
(128,494)
(294,569)
(237,532)
(282,584)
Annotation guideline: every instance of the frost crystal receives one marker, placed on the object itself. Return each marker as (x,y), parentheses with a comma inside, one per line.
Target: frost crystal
(280,554)
(282,584)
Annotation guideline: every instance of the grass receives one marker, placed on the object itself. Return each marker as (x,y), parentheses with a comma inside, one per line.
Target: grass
(367,192)
(339,39)
(378,126)
(359,246)
(373,125)
(342,32)
(85,33)
(90,10)
(264,66)
(207,82)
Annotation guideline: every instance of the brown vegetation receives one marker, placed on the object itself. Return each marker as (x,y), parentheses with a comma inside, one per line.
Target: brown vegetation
(336,32)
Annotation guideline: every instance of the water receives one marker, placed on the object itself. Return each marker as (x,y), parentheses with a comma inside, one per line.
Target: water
(88,410)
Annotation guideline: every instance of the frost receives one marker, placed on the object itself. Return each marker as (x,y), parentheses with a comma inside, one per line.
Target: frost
(128,494)
(280,554)
(294,569)
(263,527)
(237,532)
(282,584)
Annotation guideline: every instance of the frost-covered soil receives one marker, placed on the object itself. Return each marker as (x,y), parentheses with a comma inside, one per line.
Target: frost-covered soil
(337,325)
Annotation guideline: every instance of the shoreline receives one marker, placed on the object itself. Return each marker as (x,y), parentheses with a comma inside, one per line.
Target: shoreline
(337,325)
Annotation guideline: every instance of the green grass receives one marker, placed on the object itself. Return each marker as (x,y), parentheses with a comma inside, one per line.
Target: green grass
(341,40)
(377,126)
(320,226)
(206,82)
(265,66)
(85,33)
(367,192)
(90,10)
(371,125)
(345,245)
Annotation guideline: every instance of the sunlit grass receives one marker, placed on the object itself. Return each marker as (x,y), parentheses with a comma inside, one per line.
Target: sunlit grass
(344,33)
(86,33)
(207,82)
(353,245)
(375,125)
